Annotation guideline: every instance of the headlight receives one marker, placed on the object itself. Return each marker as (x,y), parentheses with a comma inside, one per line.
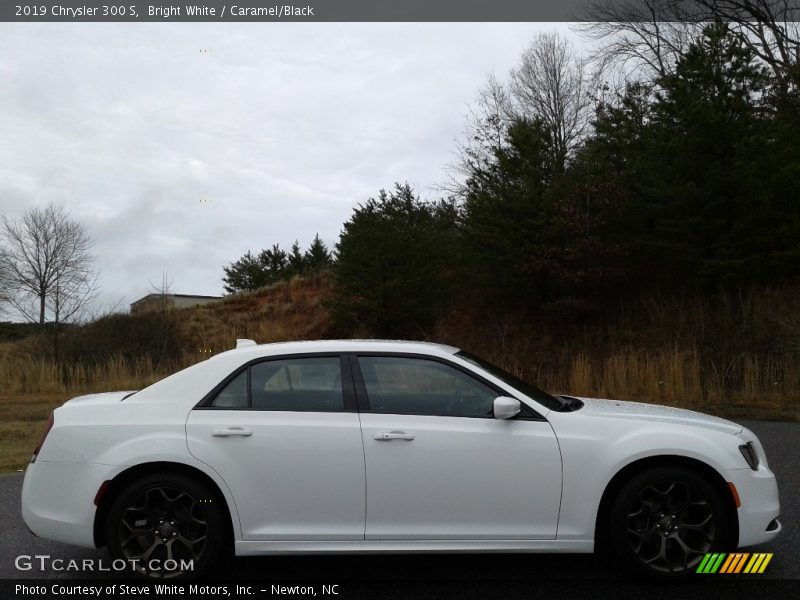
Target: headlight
(750,455)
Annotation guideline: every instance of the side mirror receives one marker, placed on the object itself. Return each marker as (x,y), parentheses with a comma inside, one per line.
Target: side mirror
(506,408)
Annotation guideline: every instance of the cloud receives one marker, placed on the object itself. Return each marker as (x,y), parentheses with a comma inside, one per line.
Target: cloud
(183,145)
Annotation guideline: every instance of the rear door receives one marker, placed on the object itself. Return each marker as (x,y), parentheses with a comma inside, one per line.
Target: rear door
(284,434)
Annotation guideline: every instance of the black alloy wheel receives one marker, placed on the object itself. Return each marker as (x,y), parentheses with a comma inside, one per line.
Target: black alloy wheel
(665,520)
(166,526)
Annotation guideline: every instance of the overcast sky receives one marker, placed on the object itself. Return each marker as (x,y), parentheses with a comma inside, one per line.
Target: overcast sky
(181,146)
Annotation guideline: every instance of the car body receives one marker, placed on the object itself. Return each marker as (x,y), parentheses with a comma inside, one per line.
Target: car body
(386,446)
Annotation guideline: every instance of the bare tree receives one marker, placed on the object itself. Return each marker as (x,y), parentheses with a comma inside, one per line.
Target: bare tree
(165,320)
(47,265)
(645,37)
(484,134)
(5,298)
(771,28)
(650,35)
(163,290)
(553,84)
(71,296)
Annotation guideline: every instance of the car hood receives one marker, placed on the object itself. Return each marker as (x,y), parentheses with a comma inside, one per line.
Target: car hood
(639,411)
(104,398)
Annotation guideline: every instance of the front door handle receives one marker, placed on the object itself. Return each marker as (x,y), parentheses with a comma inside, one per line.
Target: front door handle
(240,431)
(393,435)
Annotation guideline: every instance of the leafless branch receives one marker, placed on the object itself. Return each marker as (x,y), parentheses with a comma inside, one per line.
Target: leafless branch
(552,84)
(646,37)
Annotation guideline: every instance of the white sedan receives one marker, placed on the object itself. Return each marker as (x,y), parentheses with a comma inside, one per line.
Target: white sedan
(372,446)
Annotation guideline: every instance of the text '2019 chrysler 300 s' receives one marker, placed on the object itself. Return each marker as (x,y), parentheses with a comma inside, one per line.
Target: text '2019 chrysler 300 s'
(373,446)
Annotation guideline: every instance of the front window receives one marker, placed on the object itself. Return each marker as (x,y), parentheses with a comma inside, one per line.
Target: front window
(416,386)
(526,388)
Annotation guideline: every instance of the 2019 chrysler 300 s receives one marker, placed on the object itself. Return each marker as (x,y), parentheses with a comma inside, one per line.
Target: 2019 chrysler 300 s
(381,446)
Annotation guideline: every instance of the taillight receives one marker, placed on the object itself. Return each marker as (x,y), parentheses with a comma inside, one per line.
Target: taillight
(47,428)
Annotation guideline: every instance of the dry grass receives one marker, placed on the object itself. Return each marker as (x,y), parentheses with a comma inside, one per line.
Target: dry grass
(27,374)
(749,387)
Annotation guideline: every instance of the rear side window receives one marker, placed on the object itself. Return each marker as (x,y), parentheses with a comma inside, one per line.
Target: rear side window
(234,394)
(296,384)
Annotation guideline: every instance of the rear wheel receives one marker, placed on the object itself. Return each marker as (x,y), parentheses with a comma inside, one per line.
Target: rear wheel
(666,519)
(166,526)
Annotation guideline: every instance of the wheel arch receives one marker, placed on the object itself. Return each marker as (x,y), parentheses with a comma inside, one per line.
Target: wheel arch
(131,474)
(643,464)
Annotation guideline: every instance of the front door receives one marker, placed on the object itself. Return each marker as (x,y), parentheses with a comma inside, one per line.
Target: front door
(439,466)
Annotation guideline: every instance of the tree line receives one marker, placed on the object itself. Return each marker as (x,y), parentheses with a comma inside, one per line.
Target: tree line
(573,190)
(271,265)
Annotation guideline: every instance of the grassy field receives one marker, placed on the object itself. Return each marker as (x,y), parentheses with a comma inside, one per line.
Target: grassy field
(23,419)
(750,388)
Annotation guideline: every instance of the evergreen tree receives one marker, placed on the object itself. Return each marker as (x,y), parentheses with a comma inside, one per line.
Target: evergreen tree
(708,213)
(275,263)
(393,255)
(252,272)
(509,219)
(296,260)
(246,274)
(704,171)
(317,258)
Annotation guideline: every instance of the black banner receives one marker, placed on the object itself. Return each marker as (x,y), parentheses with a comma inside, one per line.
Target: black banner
(238,11)
(289,10)
(722,588)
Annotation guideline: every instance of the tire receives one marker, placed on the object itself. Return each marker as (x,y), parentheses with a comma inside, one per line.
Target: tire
(664,520)
(167,516)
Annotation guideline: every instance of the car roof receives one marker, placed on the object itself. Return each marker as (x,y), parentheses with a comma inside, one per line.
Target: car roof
(303,347)
(190,384)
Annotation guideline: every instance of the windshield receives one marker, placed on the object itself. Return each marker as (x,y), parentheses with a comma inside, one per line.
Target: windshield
(526,388)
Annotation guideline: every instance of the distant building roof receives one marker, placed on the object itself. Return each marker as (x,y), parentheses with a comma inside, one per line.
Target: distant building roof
(160,296)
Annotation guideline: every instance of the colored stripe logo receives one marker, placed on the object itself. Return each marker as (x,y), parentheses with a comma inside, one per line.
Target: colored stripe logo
(736,562)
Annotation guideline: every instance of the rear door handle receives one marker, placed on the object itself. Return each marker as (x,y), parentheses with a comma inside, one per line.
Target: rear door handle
(230,431)
(393,435)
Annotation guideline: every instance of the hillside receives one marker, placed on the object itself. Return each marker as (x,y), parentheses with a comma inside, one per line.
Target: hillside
(124,351)
(283,311)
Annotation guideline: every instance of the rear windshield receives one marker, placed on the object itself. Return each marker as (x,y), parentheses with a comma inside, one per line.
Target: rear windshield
(526,388)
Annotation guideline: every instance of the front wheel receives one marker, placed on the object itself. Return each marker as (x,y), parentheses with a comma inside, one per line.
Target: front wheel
(666,519)
(166,526)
